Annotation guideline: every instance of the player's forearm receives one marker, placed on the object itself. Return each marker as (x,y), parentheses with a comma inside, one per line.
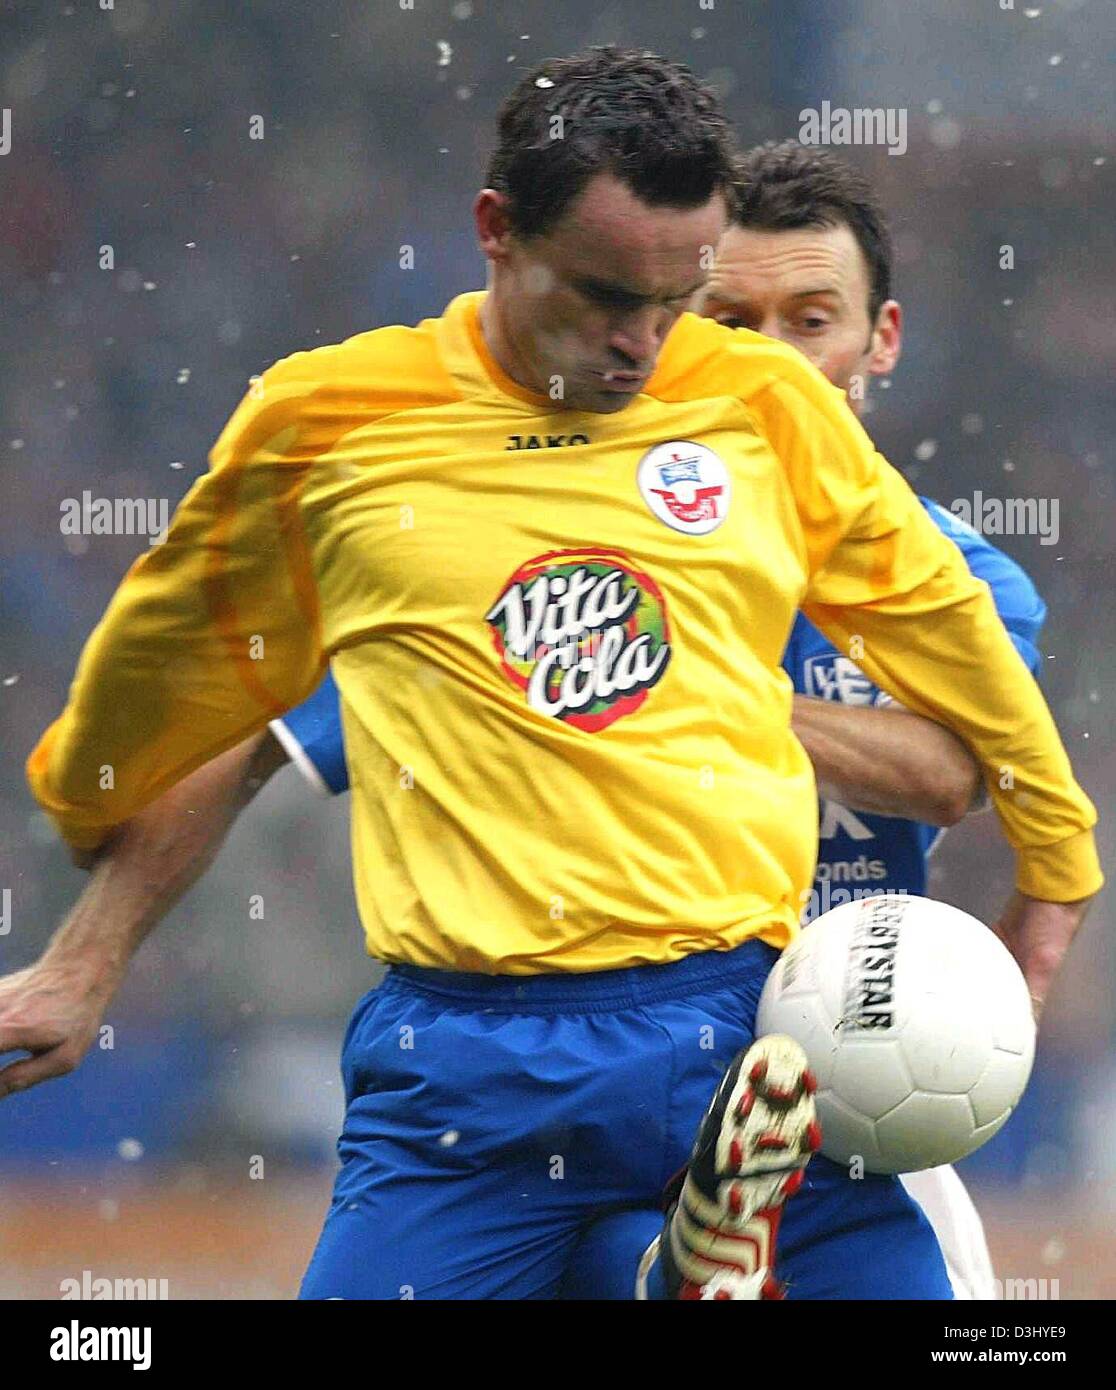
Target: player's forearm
(886,761)
(888,588)
(941,649)
(154,859)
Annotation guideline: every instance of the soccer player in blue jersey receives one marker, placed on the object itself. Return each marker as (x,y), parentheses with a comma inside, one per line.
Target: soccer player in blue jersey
(870,1216)
(807,259)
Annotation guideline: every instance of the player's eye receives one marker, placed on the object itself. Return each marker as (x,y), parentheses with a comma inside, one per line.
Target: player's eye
(731,321)
(607,298)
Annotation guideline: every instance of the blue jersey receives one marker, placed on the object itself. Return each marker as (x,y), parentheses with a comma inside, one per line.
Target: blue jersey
(858,852)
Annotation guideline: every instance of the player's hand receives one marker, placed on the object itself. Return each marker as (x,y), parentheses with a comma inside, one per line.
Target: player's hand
(1038,934)
(52,1011)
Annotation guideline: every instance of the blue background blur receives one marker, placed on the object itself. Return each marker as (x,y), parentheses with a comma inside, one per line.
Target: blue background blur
(130,128)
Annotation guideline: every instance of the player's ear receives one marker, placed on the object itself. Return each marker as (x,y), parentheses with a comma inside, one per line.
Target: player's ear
(490,213)
(887,339)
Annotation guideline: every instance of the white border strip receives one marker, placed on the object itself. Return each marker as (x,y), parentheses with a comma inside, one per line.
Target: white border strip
(298,755)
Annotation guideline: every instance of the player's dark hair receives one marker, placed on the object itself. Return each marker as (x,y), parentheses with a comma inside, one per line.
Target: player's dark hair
(642,118)
(780,187)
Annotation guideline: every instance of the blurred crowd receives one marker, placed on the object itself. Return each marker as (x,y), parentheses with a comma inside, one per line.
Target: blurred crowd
(154,255)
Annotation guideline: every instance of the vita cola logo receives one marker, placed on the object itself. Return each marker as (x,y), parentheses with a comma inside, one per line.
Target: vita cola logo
(583,633)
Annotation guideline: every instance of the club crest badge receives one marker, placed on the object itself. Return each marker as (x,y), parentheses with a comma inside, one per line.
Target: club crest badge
(686,485)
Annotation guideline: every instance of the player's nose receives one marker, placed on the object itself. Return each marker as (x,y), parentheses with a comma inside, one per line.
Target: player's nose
(639,336)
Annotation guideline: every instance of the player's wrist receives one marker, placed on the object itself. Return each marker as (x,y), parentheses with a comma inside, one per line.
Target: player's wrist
(1066,871)
(87,973)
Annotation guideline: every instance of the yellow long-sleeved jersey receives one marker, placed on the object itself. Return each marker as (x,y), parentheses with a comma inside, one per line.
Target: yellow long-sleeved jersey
(557,640)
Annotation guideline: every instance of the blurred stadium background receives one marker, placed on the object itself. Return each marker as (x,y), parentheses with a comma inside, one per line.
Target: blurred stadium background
(130,128)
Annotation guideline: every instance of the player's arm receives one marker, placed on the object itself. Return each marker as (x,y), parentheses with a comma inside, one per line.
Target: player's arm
(53,1009)
(211,634)
(882,577)
(887,761)
(891,762)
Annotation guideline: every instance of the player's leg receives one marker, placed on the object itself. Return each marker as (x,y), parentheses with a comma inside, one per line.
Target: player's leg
(755,1137)
(858,1238)
(945,1199)
(444,1189)
(605,1264)
(719,1235)
(749,1157)
(840,1237)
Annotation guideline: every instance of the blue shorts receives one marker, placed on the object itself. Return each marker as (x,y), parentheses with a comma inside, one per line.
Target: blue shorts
(510,1138)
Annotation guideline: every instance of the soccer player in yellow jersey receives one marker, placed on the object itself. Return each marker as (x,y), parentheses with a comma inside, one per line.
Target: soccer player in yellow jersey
(553,543)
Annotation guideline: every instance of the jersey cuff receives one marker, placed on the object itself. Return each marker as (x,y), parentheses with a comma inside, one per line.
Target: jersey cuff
(1061,872)
(301,759)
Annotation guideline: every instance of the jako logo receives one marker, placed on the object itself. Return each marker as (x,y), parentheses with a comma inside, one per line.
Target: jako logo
(77,1343)
(837,125)
(1010,516)
(119,516)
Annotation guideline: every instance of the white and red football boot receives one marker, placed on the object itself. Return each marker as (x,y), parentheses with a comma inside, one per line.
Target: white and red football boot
(750,1155)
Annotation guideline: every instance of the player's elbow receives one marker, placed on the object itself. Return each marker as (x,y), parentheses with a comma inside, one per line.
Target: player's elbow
(955,789)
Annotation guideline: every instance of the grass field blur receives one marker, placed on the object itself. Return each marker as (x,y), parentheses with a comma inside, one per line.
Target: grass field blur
(225,1237)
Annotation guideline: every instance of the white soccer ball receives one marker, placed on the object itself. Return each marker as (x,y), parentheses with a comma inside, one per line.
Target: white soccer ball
(918,1026)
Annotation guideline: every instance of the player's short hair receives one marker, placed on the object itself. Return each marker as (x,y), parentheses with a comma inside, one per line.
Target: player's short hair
(629,113)
(780,187)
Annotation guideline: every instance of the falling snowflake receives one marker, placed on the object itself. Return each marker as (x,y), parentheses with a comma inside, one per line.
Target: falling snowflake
(925,450)
(183,376)
(445,54)
(10,680)
(945,133)
(130,1150)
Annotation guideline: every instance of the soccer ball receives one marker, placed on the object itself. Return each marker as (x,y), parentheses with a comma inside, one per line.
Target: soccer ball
(918,1026)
